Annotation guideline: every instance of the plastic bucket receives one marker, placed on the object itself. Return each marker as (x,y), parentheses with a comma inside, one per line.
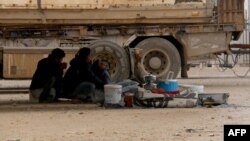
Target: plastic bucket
(172,86)
(113,94)
(163,84)
(169,86)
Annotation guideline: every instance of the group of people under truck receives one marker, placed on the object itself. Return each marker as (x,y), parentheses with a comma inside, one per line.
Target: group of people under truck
(83,81)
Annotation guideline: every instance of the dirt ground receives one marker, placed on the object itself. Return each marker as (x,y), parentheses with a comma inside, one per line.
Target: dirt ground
(86,122)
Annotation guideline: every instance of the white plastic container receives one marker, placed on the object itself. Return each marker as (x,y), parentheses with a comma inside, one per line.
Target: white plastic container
(194,88)
(113,94)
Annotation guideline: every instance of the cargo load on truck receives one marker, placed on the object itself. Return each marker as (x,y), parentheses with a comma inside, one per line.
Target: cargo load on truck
(170,33)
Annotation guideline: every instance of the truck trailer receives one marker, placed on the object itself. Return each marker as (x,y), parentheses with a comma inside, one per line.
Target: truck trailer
(170,33)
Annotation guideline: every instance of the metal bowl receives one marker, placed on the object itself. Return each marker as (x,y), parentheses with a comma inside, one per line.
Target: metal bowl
(149,86)
(150,78)
(212,98)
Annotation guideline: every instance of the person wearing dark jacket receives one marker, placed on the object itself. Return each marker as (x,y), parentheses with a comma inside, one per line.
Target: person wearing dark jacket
(99,68)
(47,80)
(79,81)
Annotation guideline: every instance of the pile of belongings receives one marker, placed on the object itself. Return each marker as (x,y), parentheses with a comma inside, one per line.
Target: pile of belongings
(158,98)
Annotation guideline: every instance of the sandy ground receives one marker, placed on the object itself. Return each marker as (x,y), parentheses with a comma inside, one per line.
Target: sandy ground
(84,122)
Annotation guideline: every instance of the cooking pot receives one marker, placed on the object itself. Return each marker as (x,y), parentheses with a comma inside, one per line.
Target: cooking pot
(149,78)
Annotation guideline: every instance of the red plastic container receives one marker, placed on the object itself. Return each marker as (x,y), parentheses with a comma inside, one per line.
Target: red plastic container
(162,91)
(128,100)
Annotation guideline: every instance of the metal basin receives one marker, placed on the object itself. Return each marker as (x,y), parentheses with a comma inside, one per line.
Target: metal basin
(212,98)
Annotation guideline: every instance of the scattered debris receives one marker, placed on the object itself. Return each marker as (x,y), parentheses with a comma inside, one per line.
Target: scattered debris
(81,113)
(190,130)
(209,106)
(177,134)
(211,135)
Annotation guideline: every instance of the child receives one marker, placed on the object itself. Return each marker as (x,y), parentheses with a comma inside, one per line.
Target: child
(99,68)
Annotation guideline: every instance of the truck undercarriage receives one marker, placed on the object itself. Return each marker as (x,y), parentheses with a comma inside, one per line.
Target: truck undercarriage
(169,34)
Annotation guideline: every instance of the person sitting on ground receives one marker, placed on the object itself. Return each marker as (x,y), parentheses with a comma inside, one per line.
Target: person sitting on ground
(80,83)
(139,73)
(47,79)
(99,68)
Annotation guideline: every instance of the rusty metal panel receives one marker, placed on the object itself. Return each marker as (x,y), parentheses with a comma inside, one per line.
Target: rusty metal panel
(202,44)
(101,4)
(22,62)
(103,12)
(152,15)
(89,4)
(231,11)
(18,4)
(79,4)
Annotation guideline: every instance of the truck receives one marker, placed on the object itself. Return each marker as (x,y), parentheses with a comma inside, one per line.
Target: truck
(169,33)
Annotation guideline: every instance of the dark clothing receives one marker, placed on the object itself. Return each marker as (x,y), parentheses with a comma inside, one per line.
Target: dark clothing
(104,76)
(84,91)
(47,69)
(78,72)
(100,73)
(46,95)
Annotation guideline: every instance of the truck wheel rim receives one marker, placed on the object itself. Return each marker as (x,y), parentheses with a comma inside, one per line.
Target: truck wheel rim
(156,62)
(110,61)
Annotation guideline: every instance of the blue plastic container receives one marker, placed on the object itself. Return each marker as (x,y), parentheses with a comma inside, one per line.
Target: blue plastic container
(163,84)
(169,86)
(172,86)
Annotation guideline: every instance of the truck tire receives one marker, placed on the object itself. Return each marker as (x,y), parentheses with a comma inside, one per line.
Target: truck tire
(115,56)
(159,57)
